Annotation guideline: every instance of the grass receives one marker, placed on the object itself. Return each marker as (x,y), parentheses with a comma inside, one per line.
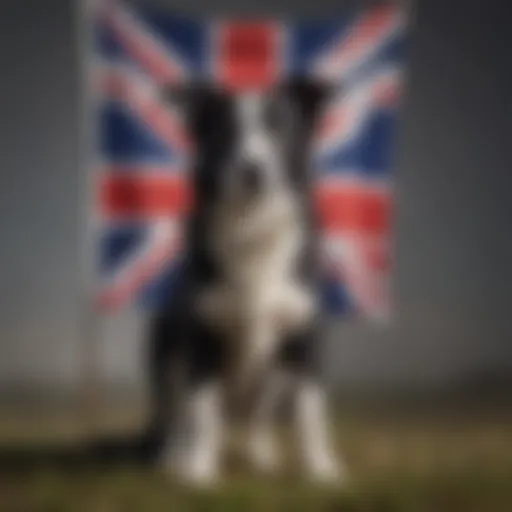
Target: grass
(422,462)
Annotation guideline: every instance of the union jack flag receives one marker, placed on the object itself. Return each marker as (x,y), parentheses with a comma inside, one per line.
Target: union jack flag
(141,192)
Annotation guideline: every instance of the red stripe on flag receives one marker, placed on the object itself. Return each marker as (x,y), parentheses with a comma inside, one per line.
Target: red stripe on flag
(122,196)
(341,209)
(248,54)
(353,209)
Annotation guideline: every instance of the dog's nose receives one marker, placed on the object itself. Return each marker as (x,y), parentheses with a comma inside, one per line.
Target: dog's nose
(251,176)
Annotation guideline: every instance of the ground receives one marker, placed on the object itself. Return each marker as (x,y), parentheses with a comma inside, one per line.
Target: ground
(423,461)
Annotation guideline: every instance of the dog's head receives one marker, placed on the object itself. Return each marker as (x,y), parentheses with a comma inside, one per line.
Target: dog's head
(250,144)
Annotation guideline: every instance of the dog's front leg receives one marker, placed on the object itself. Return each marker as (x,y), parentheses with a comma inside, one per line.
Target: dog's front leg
(312,428)
(261,444)
(196,457)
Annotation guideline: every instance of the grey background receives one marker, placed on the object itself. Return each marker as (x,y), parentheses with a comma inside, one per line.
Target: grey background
(454,247)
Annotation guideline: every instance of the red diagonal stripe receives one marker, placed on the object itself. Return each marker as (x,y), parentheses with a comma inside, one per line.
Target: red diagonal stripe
(140,45)
(142,272)
(370,28)
(368,32)
(121,85)
(348,112)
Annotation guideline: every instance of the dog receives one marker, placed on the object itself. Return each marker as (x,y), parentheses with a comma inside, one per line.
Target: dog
(244,324)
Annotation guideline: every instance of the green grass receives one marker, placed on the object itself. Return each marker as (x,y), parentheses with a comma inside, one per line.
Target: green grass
(397,462)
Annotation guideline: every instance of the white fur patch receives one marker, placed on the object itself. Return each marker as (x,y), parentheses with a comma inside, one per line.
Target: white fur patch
(197,460)
(255,144)
(255,141)
(261,443)
(317,452)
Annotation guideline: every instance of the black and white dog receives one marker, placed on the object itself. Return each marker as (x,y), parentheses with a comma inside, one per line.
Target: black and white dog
(245,321)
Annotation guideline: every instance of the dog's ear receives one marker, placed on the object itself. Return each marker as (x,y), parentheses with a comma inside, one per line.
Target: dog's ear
(198,104)
(309,96)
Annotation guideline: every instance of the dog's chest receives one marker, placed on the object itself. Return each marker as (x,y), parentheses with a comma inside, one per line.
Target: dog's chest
(258,256)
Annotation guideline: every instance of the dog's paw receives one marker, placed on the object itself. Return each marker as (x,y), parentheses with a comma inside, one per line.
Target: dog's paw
(203,477)
(263,454)
(326,471)
(196,473)
(199,468)
(194,470)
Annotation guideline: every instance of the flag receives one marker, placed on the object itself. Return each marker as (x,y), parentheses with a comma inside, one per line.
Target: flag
(141,194)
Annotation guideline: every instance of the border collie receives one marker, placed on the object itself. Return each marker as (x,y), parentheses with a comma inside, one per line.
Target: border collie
(244,325)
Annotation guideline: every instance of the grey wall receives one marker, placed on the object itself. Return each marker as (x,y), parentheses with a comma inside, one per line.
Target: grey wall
(454,247)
